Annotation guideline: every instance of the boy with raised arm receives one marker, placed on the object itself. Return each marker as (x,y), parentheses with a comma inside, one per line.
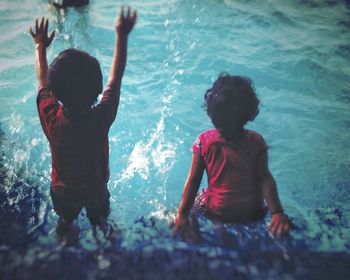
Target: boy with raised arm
(77,128)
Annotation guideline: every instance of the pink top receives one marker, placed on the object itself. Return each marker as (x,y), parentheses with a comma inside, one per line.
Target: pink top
(233,192)
(79,148)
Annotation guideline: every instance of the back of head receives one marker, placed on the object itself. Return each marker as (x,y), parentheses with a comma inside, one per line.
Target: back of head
(75,79)
(230,104)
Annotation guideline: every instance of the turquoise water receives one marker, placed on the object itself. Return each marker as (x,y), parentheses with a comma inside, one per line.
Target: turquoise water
(296,52)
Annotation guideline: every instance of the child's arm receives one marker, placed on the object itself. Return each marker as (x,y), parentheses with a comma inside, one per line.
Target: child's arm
(280,223)
(124,25)
(41,42)
(183,224)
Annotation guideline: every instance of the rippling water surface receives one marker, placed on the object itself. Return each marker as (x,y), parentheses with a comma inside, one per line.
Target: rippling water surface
(296,52)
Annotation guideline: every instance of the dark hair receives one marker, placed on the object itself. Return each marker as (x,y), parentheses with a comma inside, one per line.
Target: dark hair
(75,79)
(230,104)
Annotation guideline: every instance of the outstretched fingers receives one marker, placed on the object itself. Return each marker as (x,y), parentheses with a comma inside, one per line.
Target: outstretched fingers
(31,32)
(52,35)
(34,33)
(46,26)
(129,11)
(46,30)
(40,34)
(41,28)
(121,12)
(36,26)
(126,20)
(134,16)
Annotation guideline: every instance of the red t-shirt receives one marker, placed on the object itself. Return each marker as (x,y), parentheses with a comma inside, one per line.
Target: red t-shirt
(233,192)
(79,148)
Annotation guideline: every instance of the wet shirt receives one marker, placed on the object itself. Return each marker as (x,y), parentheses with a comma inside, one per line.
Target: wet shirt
(79,147)
(233,190)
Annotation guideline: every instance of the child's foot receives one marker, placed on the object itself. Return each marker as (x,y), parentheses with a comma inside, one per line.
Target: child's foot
(108,232)
(115,236)
(67,233)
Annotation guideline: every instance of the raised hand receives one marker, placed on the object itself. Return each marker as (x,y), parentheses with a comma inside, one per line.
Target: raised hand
(40,36)
(126,21)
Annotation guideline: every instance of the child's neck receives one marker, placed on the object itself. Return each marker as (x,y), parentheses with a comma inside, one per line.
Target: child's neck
(76,115)
(234,135)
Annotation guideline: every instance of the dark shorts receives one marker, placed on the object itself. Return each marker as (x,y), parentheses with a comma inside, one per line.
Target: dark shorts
(68,207)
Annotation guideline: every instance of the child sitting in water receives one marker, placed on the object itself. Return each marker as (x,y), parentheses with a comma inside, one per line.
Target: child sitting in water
(76,129)
(236,162)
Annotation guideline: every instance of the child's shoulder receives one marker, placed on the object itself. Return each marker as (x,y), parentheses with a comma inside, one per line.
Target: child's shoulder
(205,139)
(255,138)
(253,134)
(214,134)
(208,134)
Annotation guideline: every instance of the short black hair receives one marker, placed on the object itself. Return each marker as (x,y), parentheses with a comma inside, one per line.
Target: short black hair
(75,79)
(230,103)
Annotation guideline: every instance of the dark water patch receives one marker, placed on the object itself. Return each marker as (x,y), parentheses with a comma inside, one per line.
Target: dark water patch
(345,23)
(282,18)
(343,51)
(319,3)
(342,192)
(23,204)
(67,263)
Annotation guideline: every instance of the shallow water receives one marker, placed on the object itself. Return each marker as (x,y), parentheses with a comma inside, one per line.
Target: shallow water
(296,52)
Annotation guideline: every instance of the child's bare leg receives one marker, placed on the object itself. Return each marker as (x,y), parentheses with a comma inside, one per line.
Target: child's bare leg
(104,231)
(63,227)
(98,212)
(100,224)
(67,210)
(67,232)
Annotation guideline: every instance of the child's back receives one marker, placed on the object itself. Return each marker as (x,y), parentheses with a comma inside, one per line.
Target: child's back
(235,160)
(76,129)
(78,134)
(79,151)
(233,193)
